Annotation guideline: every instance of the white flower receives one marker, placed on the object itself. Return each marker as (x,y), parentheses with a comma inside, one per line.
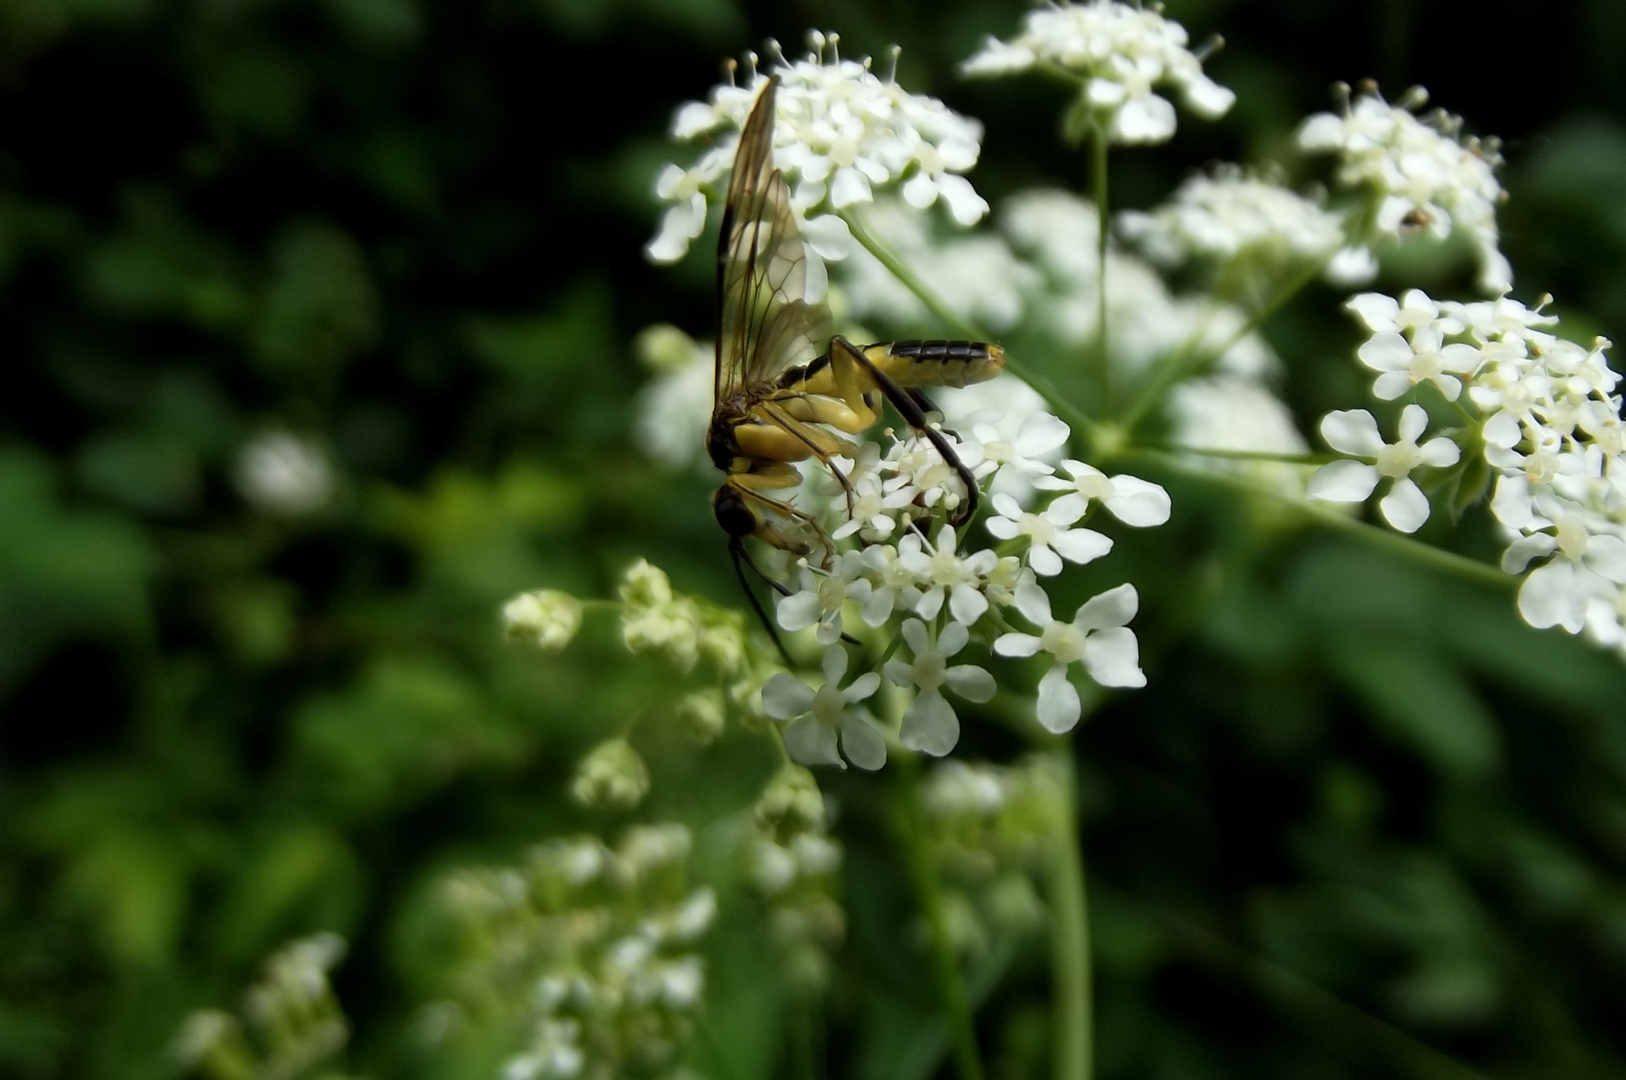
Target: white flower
(675,404)
(1354,431)
(896,580)
(1132,500)
(1121,52)
(1421,172)
(283,473)
(840,133)
(1020,459)
(1230,215)
(929,724)
(545,618)
(945,575)
(1228,413)
(1420,354)
(1098,637)
(816,717)
(1049,537)
(822,596)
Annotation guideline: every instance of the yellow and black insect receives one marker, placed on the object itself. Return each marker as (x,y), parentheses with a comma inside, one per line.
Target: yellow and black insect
(782,382)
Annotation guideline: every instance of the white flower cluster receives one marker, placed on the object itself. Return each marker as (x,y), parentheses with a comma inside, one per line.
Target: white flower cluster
(286,474)
(793,864)
(1423,175)
(1545,412)
(291,1013)
(990,829)
(1232,218)
(588,951)
(1123,52)
(840,133)
(912,574)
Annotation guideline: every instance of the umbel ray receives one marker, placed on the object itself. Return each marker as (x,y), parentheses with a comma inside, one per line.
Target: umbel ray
(777,399)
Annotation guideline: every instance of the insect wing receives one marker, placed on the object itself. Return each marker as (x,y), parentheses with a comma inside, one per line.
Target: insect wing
(764,322)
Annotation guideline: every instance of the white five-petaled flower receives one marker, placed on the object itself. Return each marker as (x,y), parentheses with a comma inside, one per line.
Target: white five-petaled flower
(1408,345)
(947,576)
(930,724)
(1132,500)
(840,132)
(1121,51)
(1354,431)
(816,717)
(822,596)
(1050,535)
(1098,637)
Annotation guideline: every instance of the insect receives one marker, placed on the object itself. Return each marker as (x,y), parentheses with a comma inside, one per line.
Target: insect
(782,382)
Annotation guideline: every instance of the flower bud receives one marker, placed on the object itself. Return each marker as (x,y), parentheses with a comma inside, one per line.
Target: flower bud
(545,618)
(702,714)
(663,348)
(790,805)
(611,777)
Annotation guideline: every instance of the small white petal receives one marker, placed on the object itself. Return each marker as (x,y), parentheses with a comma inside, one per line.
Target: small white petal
(1082,545)
(1033,602)
(1044,561)
(1016,644)
(970,682)
(929,725)
(914,635)
(952,639)
(862,744)
(1413,422)
(798,611)
(785,697)
(1390,385)
(834,664)
(1343,481)
(1138,502)
(1115,607)
(1352,431)
(1112,658)
(862,687)
(966,604)
(811,743)
(1058,706)
(1405,507)
(1440,452)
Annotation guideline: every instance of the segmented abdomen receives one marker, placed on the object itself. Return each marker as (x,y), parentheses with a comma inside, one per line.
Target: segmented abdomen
(936,363)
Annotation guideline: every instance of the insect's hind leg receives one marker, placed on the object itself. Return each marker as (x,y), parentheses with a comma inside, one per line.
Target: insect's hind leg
(909,407)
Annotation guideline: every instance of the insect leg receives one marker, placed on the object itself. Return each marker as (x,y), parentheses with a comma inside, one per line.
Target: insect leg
(822,444)
(913,415)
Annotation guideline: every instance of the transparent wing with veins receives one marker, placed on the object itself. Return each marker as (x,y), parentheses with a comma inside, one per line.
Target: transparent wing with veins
(764,323)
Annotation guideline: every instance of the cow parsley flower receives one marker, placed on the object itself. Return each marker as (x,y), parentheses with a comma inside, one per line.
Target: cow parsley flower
(1121,52)
(283,473)
(823,595)
(1354,431)
(1049,533)
(930,724)
(1131,500)
(841,132)
(817,717)
(1423,175)
(545,618)
(1098,637)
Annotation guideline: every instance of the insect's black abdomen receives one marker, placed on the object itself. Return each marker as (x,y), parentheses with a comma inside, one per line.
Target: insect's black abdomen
(733,513)
(940,351)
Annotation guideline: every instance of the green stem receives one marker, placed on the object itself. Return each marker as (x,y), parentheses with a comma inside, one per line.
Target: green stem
(1098,146)
(1249,455)
(912,829)
(1074,1033)
(1395,543)
(1180,363)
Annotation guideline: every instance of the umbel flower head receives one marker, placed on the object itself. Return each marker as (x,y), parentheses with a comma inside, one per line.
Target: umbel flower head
(1121,51)
(841,134)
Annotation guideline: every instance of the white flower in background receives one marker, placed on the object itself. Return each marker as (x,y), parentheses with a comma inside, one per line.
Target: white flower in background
(283,473)
(817,717)
(930,724)
(1058,230)
(1237,414)
(545,618)
(1422,173)
(611,777)
(671,410)
(976,274)
(1050,535)
(1098,637)
(1228,216)
(1131,500)
(1354,431)
(1121,52)
(841,132)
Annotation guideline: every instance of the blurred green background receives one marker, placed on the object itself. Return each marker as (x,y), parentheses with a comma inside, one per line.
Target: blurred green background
(1357,799)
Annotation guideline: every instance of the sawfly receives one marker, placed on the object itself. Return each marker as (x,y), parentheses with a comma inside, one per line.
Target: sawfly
(786,389)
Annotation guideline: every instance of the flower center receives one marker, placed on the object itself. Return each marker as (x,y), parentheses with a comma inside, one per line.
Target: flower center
(828,705)
(1572,536)
(928,670)
(1037,529)
(1398,460)
(832,593)
(1064,641)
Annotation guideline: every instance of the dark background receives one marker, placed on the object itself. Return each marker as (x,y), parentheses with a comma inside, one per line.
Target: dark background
(1357,799)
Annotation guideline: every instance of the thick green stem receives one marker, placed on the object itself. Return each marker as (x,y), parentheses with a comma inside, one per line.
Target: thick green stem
(951,987)
(1074,1035)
